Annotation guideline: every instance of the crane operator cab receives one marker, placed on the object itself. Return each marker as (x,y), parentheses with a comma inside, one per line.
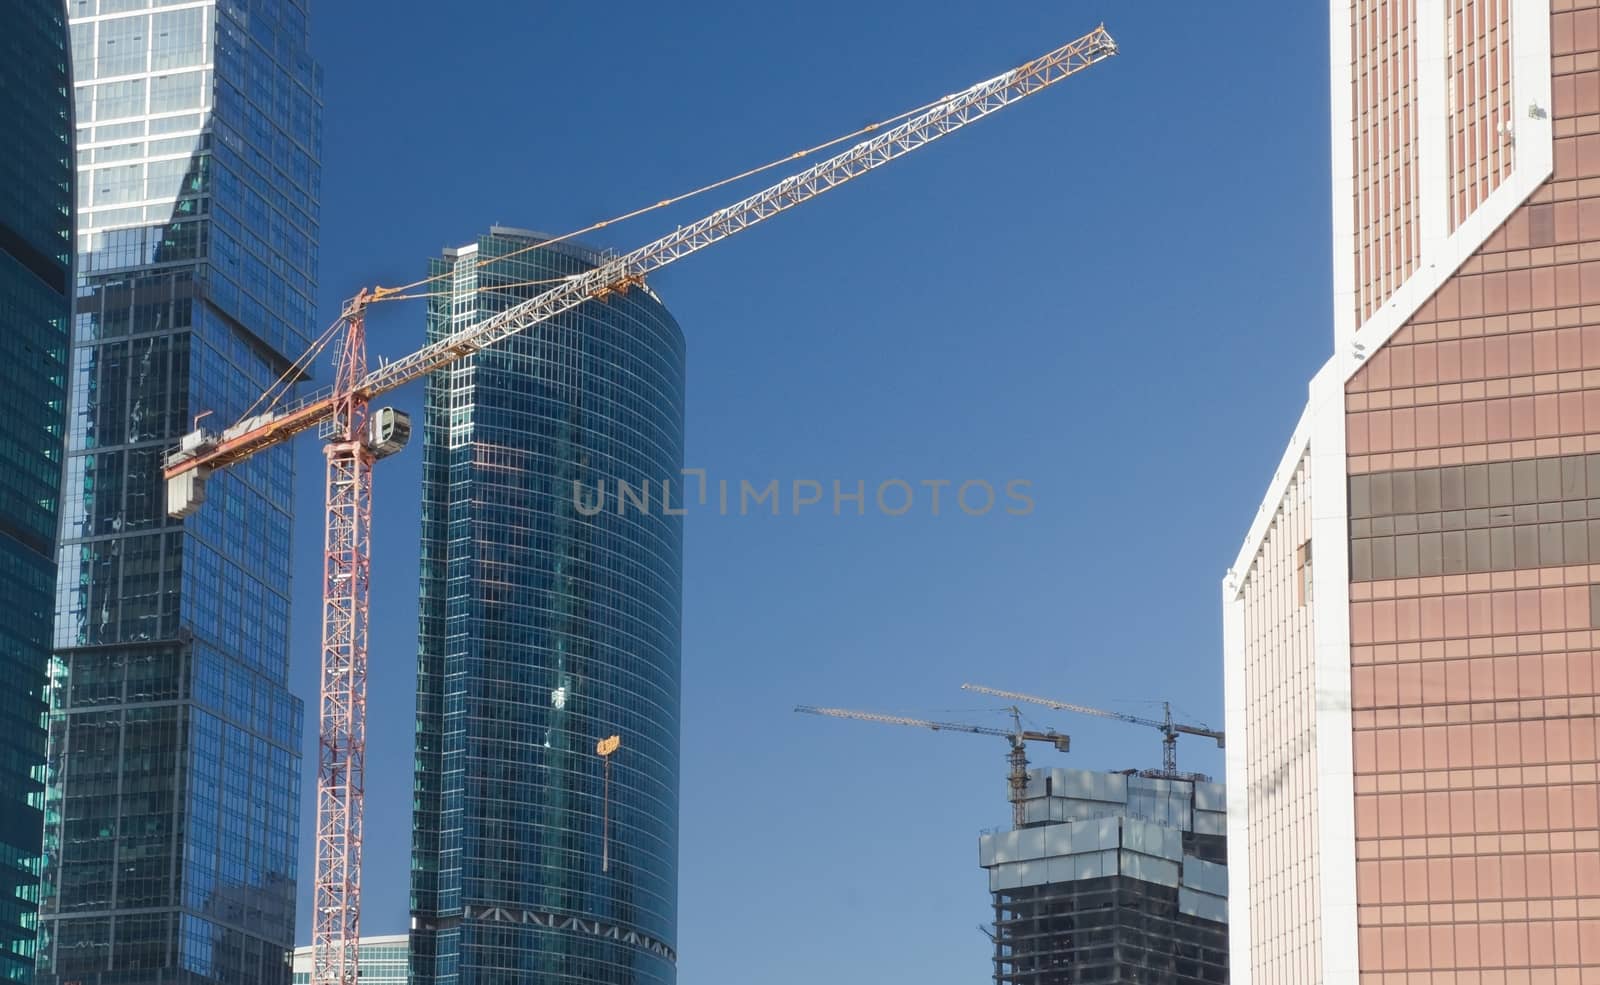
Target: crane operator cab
(388,430)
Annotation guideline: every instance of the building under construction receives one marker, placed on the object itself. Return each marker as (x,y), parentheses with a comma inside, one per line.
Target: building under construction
(1111,878)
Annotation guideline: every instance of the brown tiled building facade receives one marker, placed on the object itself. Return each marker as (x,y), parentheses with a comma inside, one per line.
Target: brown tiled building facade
(1413,624)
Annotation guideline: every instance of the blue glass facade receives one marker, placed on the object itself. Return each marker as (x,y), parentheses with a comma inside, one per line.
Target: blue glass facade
(173,772)
(544,630)
(35,309)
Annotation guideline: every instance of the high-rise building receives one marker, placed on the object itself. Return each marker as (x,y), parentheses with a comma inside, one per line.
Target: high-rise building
(1111,877)
(545,629)
(1411,625)
(379,961)
(173,776)
(36,177)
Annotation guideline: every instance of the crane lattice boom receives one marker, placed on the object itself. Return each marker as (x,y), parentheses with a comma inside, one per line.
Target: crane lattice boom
(1060,705)
(1017,736)
(954,112)
(356,442)
(870,716)
(1170,730)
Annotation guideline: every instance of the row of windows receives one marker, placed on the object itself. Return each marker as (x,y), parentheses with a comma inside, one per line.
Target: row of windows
(132,45)
(495,953)
(173,93)
(1477,614)
(1513,949)
(1504,548)
(1475,745)
(1452,685)
(161,180)
(1508,810)
(188,124)
(1396,496)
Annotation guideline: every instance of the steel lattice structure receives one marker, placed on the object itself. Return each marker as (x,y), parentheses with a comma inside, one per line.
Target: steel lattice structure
(341,751)
(354,446)
(1170,730)
(1016,736)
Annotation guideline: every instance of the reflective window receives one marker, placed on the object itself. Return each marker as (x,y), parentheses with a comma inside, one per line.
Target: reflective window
(115,100)
(123,183)
(123,47)
(171,93)
(178,39)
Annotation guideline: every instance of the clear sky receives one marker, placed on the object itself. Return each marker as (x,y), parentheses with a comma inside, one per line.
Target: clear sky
(1116,291)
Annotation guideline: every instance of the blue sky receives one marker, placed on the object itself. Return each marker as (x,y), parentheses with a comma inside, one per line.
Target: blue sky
(1115,291)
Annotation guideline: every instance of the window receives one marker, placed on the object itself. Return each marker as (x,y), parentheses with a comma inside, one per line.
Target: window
(83,58)
(1303,573)
(122,46)
(115,185)
(115,100)
(169,93)
(178,39)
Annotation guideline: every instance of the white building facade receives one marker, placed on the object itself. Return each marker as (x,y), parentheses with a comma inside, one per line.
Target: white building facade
(380,961)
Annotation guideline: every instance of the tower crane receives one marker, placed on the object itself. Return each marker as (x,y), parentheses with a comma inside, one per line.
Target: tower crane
(355,441)
(1170,730)
(1017,757)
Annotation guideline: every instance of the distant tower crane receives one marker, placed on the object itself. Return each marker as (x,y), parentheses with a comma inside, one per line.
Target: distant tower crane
(1017,757)
(355,441)
(1170,730)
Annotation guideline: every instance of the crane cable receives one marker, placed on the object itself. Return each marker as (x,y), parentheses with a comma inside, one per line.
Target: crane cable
(321,343)
(396,293)
(399,293)
(295,368)
(481,289)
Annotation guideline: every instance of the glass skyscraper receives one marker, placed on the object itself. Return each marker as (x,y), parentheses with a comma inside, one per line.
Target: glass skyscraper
(173,772)
(35,308)
(544,630)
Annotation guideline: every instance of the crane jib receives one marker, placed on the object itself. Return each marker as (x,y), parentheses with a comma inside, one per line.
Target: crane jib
(209,452)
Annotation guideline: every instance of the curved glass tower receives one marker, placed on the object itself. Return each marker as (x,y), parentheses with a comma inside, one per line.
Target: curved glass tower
(35,309)
(545,628)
